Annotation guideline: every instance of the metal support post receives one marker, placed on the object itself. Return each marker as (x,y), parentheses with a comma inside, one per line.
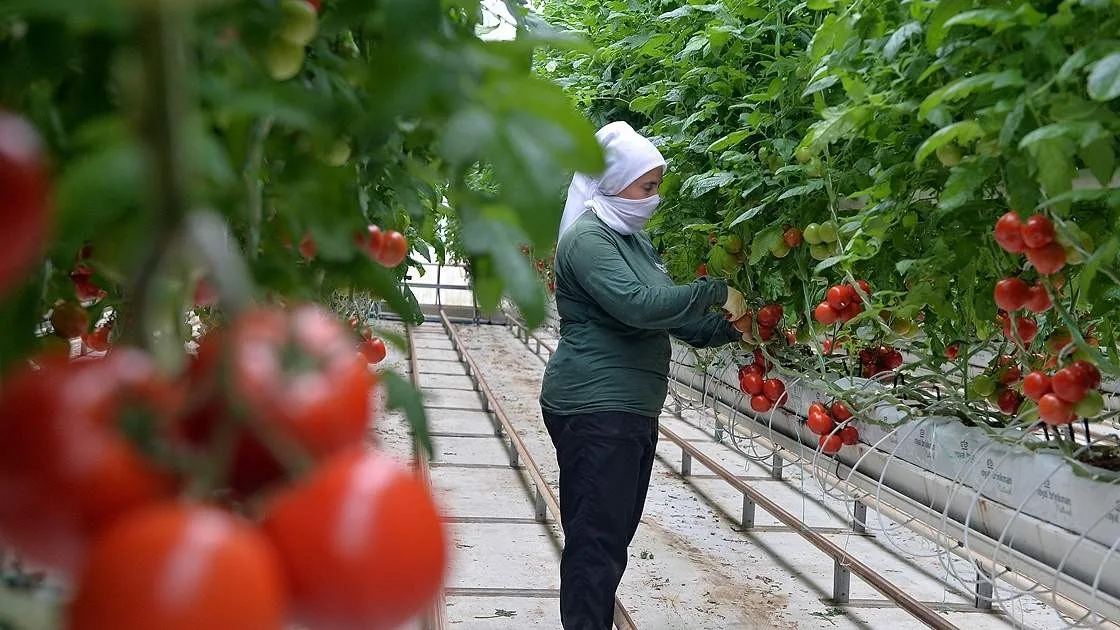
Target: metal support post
(748,513)
(985,591)
(841,583)
(686,464)
(540,508)
(859,517)
(776,466)
(514,461)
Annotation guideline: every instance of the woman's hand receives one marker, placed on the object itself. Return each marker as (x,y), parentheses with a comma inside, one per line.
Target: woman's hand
(735,306)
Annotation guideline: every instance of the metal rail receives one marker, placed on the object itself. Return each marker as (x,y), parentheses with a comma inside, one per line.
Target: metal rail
(544,499)
(436,618)
(844,563)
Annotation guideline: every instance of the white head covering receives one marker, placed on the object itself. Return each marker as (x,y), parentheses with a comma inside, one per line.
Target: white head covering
(629,155)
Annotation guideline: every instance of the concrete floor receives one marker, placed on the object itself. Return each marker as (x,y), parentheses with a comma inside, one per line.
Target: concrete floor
(691,566)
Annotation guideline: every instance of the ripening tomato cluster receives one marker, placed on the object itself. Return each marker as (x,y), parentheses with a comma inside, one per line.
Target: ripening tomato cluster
(388,248)
(299,24)
(762,326)
(842,303)
(369,346)
(1067,394)
(1035,237)
(876,360)
(764,392)
(833,426)
(239,495)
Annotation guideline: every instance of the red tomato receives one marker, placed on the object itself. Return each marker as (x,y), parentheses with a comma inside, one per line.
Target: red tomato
(1009,233)
(756,368)
(394,250)
(66,470)
(830,444)
(819,422)
(775,390)
(361,543)
(850,311)
(792,237)
(1009,401)
(307,247)
(849,435)
(1027,329)
(818,407)
(826,346)
(373,350)
(25,205)
(825,314)
(1038,300)
(314,4)
(371,242)
(1088,373)
(761,403)
(864,286)
(893,360)
(840,411)
(765,333)
(294,372)
(1048,259)
(1069,385)
(1054,410)
(1010,374)
(952,351)
(1011,294)
(98,340)
(69,320)
(1036,385)
(770,315)
(180,567)
(1037,232)
(702,271)
(837,298)
(752,384)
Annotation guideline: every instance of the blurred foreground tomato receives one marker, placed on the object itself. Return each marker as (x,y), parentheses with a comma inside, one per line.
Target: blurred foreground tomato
(295,374)
(361,543)
(173,566)
(67,469)
(24,199)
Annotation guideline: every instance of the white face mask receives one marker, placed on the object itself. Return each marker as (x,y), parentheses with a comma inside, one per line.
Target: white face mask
(625,216)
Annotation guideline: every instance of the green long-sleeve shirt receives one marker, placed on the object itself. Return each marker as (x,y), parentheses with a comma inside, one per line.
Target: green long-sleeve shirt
(617,308)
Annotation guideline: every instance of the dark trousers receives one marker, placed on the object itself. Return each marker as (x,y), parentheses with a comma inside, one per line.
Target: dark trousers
(605,464)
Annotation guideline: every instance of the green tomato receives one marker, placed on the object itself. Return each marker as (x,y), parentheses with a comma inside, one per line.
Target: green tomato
(339,154)
(819,251)
(732,243)
(812,234)
(299,23)
(284,59)
(949,155)
(910,220)
(803,155)
(902,326)
(982,386)
(827,232)
(1091,405)
(779,249)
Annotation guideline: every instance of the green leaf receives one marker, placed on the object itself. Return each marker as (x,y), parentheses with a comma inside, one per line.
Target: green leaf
(1084,133)
(488,231)
(899,38)
(833,33)
(964,181)
(748,215)
(935,28)
(836,123)
(1104,78)
(729,141)
(699,185)
(1108,196)
(962,88)
(1056,170)
(820,5)
(797,191)
(1011,123)
(1100,157)
(1022,189)
(762,242)
(961,133)
(404,397)
(1105,254)
(996,19)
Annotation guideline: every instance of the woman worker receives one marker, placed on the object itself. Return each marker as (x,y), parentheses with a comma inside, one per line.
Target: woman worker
(605,386)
